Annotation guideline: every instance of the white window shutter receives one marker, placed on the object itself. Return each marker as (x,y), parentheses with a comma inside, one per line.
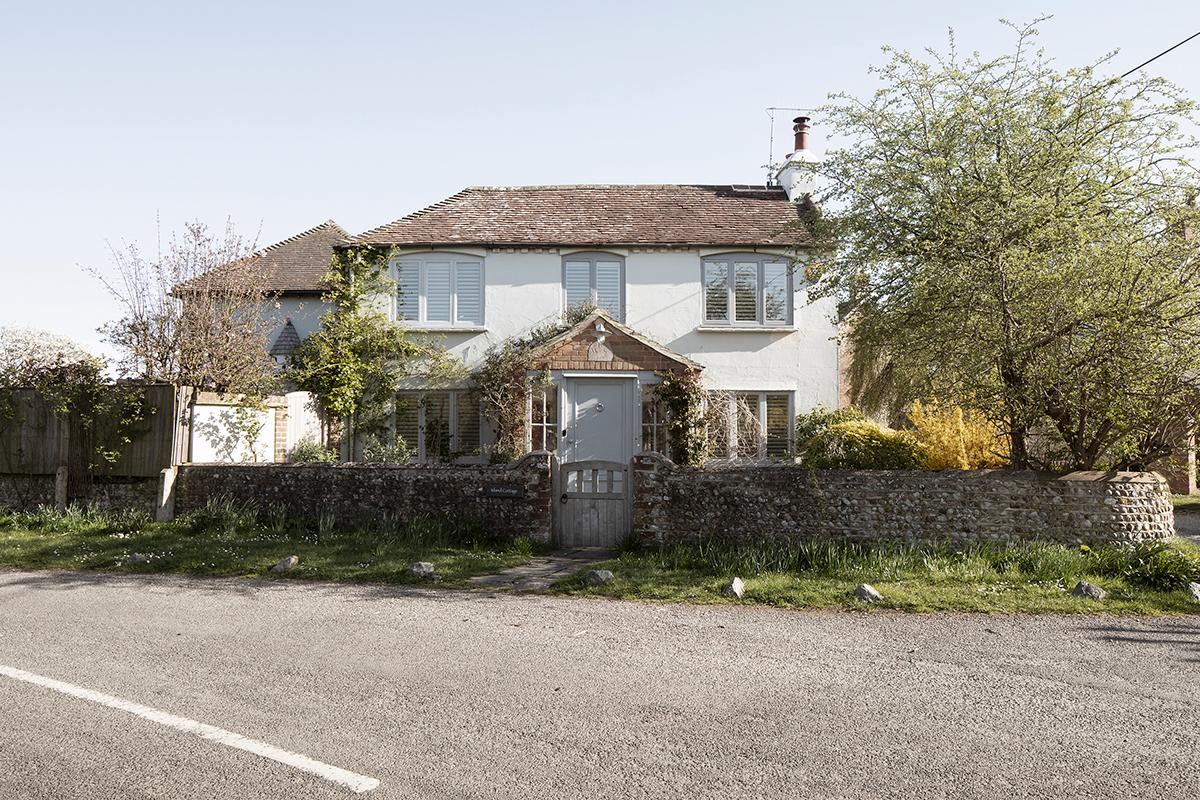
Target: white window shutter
(745,292)
(408,420)
(408,291)
(577,282)
(468,292)
(716,291)
(777,300)
(437,291)
(466,429)
(608,287)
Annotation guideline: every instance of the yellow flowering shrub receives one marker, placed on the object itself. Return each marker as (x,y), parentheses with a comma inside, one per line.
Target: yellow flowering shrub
(955,438)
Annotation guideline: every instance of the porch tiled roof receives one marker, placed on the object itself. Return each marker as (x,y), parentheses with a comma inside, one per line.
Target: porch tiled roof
(626,349)
(581,215)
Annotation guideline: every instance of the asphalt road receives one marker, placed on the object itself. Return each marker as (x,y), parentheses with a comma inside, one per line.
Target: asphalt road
(460,694)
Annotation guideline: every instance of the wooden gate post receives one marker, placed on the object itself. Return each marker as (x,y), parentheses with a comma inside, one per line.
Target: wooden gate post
(60,488)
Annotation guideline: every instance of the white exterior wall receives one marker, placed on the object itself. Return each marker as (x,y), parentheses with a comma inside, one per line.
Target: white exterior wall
(663,301)
(304,312)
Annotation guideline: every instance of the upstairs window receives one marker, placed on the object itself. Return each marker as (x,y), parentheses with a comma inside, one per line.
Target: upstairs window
(439,290)
(747,291)
(595,278)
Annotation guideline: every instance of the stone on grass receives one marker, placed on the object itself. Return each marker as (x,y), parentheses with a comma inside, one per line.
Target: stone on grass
(285,564)
(138,558)
(868,593)
(597,577)
(1194,590)
(1089,590)
(736,588)
(421,569)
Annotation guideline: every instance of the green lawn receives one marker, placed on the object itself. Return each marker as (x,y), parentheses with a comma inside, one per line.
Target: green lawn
(233,542)
(223,539)
(1186,502)
(1031,578)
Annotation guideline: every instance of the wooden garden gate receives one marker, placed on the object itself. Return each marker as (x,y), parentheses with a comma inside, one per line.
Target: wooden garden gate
(593,504)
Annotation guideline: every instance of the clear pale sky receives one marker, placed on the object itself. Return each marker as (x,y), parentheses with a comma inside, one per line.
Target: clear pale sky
(281,115)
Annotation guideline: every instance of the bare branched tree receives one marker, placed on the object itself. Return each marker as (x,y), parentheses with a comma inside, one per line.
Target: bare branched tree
(197,313)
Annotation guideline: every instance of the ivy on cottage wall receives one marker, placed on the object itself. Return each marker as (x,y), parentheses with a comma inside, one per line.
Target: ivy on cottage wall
(506,376)
(354,363)
(682,397)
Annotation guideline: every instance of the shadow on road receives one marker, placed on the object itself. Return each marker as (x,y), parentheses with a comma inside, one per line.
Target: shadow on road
(1183,637)
(54,580)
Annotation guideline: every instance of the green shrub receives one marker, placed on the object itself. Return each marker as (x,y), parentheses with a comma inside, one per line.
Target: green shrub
(1160,566)
(221,515)
(309,451)
(845,439)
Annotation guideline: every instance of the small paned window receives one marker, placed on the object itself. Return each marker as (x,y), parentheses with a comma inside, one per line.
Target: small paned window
(439,426)
(597,279)
(654,424)
(747,291)
(439,290)
(750,425)
(543,418)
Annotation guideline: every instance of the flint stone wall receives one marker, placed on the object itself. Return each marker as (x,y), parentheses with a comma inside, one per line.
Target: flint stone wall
(510,500)
(29,492)
(673,503)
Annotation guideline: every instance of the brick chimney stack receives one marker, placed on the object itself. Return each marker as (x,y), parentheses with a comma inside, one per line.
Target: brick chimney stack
(795,176)
(800,128)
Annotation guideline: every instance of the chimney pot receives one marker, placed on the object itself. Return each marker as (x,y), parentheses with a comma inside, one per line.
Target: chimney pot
(801,130)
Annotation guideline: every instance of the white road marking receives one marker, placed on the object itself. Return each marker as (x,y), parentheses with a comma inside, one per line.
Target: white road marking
(351,780)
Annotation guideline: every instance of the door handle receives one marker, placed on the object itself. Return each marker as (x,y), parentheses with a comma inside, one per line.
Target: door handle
(563,499)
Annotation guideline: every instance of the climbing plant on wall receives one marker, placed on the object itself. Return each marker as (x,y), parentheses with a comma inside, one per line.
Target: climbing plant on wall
(354,362)
(682,396)
(506,376)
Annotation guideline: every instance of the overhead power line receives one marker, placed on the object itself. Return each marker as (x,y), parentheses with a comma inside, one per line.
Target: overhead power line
(1160,55)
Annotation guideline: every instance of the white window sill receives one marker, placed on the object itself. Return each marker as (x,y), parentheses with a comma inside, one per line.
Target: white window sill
(747,328)
(423,328)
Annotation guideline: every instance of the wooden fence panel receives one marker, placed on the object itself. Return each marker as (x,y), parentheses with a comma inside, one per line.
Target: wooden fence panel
(36,441)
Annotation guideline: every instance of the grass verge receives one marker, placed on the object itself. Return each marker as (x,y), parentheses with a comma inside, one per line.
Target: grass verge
(1033,578)
(227,540)
(1186,502)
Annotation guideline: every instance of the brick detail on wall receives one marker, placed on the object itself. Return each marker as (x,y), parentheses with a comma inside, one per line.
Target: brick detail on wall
(364,493)
(673,503)
(281,427)
(629,355)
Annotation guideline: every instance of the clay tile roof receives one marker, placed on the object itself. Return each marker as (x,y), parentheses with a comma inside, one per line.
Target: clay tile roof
(297,264)
(601,215)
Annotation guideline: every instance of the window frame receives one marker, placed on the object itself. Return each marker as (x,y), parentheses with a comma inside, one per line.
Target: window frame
(657,424)
(550,396)
(421,448)
(422,261)
(731,262)
(760,396)
(592,257)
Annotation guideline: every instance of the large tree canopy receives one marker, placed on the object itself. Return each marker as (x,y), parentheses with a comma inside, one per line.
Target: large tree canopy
(1013,238)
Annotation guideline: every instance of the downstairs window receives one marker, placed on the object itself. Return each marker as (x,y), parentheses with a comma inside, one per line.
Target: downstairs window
(439,426)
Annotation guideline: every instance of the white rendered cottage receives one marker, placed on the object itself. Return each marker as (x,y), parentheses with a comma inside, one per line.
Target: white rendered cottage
(707,276)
